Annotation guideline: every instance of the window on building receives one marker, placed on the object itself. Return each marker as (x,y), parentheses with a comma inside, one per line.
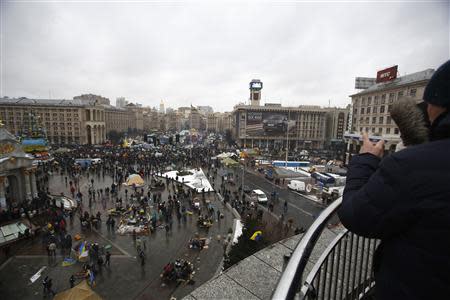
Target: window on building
(380,130)
(360,129)
(388,120)
(367,129)
(374,120)
(375,109)
(380,120)
(382,109)
(396,131)
(383,98)
(373,129)
(388,130)
(389,108)
(376,100)
(363,102)
(367,120)
(400,94)
(368,110)
(391,97)
(412,92)
(355,111)
(362,110)
(369,100)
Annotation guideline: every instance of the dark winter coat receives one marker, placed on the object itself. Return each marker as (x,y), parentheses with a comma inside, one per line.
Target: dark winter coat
(404,200)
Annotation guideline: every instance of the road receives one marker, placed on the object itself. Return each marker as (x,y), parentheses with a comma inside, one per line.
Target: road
(300,209)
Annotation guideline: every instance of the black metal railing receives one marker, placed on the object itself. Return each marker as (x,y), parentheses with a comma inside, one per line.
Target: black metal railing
(343,270)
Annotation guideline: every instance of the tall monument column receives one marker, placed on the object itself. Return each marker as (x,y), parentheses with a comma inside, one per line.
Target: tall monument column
(2,193)
(26,178)
(34,191)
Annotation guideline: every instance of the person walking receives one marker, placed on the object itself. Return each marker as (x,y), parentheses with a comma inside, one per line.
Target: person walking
(402,199)
(72,281)
(44,286)
(142,257)
(47,285)
(52,249)
(108,258)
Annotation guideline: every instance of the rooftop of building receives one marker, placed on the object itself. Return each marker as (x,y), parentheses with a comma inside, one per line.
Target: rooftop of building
(400,81)
(46,102)
(279,107)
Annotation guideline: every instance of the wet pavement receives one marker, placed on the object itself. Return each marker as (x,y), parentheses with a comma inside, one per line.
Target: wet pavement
(125,278)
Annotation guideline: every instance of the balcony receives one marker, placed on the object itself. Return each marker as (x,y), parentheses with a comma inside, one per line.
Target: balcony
(327,262)
(342,271)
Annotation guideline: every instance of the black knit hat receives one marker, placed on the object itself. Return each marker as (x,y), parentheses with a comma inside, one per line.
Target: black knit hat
(437,91)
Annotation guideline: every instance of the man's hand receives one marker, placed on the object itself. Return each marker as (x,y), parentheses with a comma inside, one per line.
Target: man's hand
(369,147)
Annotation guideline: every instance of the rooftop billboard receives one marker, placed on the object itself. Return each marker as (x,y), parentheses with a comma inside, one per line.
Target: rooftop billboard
(362,83)
(387,74)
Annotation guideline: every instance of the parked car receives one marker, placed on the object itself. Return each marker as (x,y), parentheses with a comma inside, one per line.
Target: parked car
(259,196)
(297,185)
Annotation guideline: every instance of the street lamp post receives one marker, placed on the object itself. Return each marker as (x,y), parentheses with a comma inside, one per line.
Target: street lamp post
(242,179)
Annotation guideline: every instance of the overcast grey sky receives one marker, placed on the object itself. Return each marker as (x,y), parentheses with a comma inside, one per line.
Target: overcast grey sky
(206,53)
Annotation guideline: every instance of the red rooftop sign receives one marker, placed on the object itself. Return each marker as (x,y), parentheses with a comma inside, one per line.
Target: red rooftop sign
(387,74)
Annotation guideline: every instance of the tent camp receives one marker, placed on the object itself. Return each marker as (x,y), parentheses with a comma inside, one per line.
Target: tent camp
(134,180)
(230,162)
(82,291)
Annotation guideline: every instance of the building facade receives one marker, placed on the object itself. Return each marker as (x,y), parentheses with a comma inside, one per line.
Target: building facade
(219,122)
(273,127)
(118,119)
(64,121)
(337,120)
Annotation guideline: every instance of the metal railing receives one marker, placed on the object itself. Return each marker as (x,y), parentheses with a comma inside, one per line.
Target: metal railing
(343,270)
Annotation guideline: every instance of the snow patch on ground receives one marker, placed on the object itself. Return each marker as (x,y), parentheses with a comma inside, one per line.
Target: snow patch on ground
(197,180)
(237,230)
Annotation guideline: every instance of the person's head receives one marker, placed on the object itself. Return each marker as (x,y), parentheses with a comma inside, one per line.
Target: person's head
(437,92)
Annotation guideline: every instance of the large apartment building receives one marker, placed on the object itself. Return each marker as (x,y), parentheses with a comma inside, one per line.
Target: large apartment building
(274,126)
(219,122)
(77,121)
(118,119)
(371,107)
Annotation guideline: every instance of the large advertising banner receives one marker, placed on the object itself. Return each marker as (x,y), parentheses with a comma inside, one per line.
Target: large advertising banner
(269,123)
(387,74)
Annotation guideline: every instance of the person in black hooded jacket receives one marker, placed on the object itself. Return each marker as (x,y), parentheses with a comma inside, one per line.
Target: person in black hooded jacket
(404,200)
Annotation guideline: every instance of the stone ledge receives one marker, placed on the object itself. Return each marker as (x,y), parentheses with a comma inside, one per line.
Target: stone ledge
(255,277)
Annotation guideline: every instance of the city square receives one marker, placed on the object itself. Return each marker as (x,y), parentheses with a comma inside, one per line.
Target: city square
(217,150)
